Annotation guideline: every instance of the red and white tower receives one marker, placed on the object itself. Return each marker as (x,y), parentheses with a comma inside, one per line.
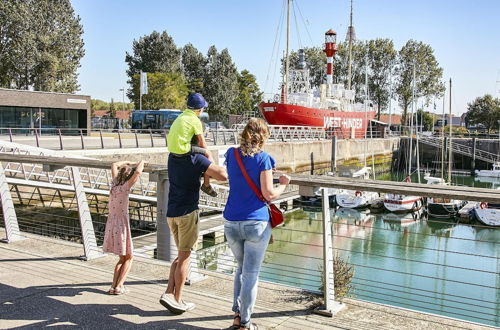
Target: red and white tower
(330,50)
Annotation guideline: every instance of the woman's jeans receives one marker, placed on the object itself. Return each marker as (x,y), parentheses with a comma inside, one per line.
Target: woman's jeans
(248,239)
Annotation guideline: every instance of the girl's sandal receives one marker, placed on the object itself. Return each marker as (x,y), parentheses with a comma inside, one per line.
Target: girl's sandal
(121,290)
(236,321)
(111,290)
(251,326)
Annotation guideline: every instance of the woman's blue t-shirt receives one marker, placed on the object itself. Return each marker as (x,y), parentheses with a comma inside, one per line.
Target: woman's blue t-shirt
(242,203)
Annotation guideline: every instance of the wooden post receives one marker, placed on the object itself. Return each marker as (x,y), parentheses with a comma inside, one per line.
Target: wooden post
(473,163)
(334,154)
(9,213)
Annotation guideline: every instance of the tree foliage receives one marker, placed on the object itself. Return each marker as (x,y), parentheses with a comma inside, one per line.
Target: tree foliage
(193,67)
(249,95)
(428,74)
(381,57)
(484,110)
(165,91)
(220,84)
(40,45)
(156,52)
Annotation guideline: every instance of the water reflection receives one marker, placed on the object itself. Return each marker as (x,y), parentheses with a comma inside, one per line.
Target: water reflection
(433,266)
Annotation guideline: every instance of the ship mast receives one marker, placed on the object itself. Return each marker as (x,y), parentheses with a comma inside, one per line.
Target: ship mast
(450,151)
(287,62)
(350,37)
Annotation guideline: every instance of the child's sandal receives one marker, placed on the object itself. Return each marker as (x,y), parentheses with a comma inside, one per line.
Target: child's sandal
(209,190)
(111,290)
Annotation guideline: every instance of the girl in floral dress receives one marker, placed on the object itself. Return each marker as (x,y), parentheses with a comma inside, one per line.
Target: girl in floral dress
(117,236)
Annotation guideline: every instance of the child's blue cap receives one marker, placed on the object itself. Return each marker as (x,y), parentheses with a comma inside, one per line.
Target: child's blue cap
(196,101)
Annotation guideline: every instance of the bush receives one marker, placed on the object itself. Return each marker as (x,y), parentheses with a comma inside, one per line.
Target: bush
(343,272)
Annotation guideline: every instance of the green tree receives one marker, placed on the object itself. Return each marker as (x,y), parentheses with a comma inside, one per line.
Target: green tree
(112,108)
(484,110)
(40,45)
(358,67)
(381,57)
(249,95)
(193,67)
(165,91)
(154,53)
(221,84)
(428,74)
(428,119)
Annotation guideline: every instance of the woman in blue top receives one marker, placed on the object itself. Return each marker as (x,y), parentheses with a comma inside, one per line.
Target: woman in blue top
(247,228)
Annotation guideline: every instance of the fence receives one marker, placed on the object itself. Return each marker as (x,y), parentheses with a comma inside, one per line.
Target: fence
(435,269)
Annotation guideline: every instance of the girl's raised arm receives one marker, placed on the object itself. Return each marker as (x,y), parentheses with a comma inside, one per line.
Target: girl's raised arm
(137,174)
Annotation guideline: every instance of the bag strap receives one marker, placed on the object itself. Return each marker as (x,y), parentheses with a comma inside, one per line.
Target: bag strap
(247,177)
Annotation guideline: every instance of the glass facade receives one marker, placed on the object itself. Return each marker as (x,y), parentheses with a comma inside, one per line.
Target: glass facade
(21,117)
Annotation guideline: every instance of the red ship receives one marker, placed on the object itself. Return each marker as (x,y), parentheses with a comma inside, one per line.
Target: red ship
(330,106)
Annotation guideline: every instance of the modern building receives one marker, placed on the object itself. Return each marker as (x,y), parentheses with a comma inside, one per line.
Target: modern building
(43,110)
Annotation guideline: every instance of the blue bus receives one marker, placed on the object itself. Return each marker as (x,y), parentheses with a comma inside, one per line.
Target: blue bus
(158,119)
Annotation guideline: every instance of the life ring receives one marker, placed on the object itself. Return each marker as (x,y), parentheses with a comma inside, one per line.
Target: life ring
(483,205)
(358,193)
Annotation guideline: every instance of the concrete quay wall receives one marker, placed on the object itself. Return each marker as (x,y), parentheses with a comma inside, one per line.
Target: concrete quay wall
(290,156)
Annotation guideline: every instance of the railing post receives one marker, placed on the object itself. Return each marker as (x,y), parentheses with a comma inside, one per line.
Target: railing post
(136,140)
(214,138)
(224,137)
(166,249)
(165,134)
(331,306)
(10,135)
(334,154)
(9,213)
(102,141)
(81,137)
(36,137)
(235,133)
(88,235)
(60,139)
(151,136)
(119,139)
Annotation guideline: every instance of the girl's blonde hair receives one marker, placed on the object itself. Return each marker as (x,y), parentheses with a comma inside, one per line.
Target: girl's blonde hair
(124,174)
(253,137)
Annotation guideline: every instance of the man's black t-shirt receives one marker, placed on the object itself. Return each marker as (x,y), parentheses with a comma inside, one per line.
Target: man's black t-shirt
(184,175)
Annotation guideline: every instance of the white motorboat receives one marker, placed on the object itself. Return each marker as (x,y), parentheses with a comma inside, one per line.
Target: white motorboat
(494,172)
(397,203)
(488,214)
(353,199)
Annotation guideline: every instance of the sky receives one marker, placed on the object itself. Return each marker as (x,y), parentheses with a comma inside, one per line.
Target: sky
(465,36)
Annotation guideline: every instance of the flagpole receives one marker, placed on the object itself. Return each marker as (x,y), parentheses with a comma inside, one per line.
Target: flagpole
(140,91)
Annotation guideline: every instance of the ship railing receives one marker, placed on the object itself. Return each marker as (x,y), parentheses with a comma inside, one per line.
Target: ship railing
(290,133)
(313,251)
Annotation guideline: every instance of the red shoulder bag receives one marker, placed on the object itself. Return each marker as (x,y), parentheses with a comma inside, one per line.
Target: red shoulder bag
(274,212)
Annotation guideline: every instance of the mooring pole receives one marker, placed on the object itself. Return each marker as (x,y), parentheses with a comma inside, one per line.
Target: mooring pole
(334,154)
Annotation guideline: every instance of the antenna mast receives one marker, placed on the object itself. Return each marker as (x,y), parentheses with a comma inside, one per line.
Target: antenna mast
(351,35)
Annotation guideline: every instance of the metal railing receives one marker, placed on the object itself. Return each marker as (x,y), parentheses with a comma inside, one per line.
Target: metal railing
(290,256)
(462,149)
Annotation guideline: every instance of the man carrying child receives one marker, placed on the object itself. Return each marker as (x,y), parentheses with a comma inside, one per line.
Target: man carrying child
(186,165)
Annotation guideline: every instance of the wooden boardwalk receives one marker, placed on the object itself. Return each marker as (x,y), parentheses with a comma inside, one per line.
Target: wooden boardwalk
(43,283)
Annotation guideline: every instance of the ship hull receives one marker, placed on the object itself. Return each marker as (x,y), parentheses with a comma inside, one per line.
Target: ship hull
(350,124)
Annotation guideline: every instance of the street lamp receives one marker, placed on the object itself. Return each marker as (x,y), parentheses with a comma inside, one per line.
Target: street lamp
(123,98)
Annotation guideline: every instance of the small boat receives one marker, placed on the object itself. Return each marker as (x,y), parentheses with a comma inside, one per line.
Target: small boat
(397,203)
(487,213)
(445,208)
(493,173)
(357,199)
(403,220)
